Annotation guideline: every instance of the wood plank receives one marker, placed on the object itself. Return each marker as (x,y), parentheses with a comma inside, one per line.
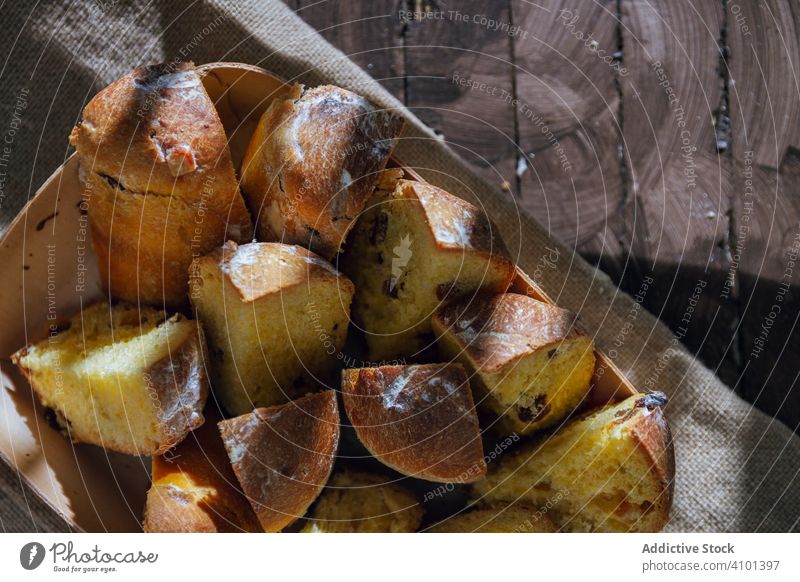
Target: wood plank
(765,75)
(460,81)
(370,33)
(677,213)
(567,65)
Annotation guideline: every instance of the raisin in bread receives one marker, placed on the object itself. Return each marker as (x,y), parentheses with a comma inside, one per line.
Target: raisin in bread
(158,182)
(415,248)
(276,317)
(283,455)
(312,164)
(358,502)
(418,420)
(610,471)
(528,363)
(126,379)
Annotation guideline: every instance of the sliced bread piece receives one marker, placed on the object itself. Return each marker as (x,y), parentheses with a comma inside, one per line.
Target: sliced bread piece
(610,471)
(418,420)
(313,163)
(194,488)
(502,518)
(283,455)
(358,502)
(415,248)
(126,379)
(276,317)
(528,362)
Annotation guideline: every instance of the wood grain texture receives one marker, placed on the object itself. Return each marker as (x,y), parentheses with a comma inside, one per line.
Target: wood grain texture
(566,67)
(460,82)
(369,33)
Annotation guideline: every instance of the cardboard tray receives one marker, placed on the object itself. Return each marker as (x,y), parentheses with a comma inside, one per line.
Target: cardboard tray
(48,271)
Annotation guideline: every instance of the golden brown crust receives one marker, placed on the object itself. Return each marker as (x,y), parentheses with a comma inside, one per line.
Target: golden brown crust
(312,164)
(419,420)
(283,455)
(654,437)
(159,181)
(457,225)
(180,387)
(259,269)
(497,330)
(195,490)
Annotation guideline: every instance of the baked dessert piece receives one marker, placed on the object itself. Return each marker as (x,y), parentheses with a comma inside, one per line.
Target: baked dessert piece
(313,163)
(358,502)
(502,518)
(413,249)
(159,182)
(528,362)
(276,317)
(126,379)
(283,455)
(610,471)
(194,488)
(418,420)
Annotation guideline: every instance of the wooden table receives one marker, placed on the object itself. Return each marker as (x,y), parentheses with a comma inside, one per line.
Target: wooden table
(659,138)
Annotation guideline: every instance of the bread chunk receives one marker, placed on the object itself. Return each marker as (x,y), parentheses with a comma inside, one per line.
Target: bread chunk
(528,362)
(497,519)
(126,379)
(276,317)
(610,471)
(312,164)
(195,490)
(283,455)
(158,182)
(418,420)
(358,502)
(414,249)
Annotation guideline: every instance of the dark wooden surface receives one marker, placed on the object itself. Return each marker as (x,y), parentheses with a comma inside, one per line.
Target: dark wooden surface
(676,157)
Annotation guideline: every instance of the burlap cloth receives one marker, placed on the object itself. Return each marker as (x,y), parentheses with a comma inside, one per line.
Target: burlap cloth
(737,469)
